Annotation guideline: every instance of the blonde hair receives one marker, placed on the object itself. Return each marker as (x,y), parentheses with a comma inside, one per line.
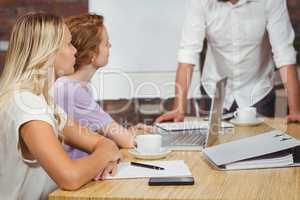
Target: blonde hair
(33,42)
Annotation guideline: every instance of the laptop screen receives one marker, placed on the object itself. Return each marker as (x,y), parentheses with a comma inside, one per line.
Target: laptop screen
(216,110)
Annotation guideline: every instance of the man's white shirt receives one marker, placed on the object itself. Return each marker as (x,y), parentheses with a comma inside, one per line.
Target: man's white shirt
(245,41)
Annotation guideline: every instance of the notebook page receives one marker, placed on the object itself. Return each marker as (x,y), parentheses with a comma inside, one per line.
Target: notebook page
(173,168)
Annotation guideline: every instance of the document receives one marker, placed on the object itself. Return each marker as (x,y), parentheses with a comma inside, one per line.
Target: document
(172,168)
(281,160)
(188,125)
(271,149)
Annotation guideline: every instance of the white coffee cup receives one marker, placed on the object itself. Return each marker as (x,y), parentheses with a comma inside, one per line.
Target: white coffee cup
(245,115)
(150,143)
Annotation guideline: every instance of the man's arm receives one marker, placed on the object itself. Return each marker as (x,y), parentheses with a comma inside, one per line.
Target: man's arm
(290,80)
(183,79)
(282,36)
(191,45)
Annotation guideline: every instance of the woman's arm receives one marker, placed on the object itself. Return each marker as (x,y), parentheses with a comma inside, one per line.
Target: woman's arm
(43,144)
(122,136)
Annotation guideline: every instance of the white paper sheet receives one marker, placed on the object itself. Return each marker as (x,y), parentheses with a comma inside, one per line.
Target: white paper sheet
(173,168)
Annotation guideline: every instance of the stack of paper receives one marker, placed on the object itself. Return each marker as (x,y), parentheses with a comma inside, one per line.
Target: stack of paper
(270,149)
(173,168)
(262,163)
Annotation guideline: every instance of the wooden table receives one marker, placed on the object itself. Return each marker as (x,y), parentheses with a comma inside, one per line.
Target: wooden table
(210,184)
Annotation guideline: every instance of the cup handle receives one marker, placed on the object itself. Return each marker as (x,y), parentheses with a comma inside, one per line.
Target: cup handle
(134,143)
(235,114)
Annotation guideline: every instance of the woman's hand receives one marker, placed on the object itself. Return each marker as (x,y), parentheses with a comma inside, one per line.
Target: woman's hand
(109,149)
(140,127)
(112,166)
(110,170)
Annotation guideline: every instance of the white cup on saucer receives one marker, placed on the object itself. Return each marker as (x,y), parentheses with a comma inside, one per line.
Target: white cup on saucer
(245,115)
(149,143)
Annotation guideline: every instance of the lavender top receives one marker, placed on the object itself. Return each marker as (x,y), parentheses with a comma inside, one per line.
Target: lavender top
(77,101)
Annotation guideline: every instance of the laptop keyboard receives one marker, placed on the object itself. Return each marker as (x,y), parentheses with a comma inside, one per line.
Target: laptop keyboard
(184,138)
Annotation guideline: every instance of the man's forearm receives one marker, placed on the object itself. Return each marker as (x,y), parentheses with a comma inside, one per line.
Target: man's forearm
(290,80)
(183,79)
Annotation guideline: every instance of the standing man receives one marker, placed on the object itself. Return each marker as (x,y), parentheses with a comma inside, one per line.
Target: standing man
(246,41)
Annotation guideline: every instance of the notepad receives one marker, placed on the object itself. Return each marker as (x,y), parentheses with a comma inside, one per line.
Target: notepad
(173,168)
(188,125)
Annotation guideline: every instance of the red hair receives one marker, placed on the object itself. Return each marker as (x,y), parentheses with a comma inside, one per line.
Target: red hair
(86,31)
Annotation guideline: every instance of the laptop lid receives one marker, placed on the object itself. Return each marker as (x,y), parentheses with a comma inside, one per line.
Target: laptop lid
(215,114)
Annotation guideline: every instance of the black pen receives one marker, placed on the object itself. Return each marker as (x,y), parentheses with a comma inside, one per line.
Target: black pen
(146,166)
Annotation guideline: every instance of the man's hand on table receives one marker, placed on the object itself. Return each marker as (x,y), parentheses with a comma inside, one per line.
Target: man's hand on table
(173,115)
(294,117)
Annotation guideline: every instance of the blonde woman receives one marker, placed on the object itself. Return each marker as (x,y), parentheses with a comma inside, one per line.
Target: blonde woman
(32,159)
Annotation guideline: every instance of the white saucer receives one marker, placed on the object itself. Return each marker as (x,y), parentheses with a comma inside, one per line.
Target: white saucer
(150,156)
(254,123)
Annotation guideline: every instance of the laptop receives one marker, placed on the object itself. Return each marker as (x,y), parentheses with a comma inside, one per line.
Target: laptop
(198,138)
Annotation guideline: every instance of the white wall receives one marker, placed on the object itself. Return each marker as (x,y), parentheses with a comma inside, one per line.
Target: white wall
(117,84)
(145,34)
